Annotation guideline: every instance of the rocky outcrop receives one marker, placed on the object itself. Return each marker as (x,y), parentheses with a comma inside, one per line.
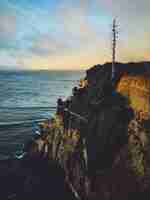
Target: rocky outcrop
(137,90)
(117,132)
(33,178)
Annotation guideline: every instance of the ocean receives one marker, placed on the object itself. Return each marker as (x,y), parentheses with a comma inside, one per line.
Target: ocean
(27,97)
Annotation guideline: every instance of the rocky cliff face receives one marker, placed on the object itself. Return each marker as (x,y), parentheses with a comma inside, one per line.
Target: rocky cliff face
(137,90)
(117,132)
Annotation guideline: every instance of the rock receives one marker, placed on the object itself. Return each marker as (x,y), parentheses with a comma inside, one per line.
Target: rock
(33,178)
(136,89)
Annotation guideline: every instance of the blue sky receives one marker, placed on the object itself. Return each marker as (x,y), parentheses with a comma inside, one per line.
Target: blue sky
(69,34)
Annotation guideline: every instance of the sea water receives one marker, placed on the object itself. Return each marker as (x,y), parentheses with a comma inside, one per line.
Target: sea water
(27,97)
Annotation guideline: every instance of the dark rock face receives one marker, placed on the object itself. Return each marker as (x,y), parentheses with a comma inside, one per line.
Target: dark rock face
(108,113)
(108,116)
(118,164)
(33,178)
(107,133)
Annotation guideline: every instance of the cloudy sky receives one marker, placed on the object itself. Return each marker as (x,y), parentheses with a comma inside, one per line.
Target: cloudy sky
(71,34)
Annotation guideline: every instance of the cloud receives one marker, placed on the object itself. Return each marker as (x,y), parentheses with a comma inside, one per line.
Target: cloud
(47,45)
(7,31)
(7,61)
(7,25)
(72,33)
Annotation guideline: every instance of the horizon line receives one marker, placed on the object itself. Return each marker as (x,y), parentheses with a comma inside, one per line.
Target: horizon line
(68,69)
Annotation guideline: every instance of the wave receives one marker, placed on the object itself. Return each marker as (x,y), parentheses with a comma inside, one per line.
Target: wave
(26,122)
(29,108)
(20,113)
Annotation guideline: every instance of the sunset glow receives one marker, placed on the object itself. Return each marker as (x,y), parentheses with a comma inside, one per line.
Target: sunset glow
(68,34)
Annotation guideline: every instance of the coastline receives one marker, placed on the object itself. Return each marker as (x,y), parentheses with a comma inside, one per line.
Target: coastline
(108,135)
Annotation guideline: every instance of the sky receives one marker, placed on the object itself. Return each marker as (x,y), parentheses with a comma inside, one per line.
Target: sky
(71,34)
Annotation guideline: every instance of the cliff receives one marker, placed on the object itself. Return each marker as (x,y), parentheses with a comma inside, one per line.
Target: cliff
(137,90)
(97,145)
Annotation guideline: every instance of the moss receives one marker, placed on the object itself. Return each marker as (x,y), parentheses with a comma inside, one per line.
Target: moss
(139,148)
(137,160)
